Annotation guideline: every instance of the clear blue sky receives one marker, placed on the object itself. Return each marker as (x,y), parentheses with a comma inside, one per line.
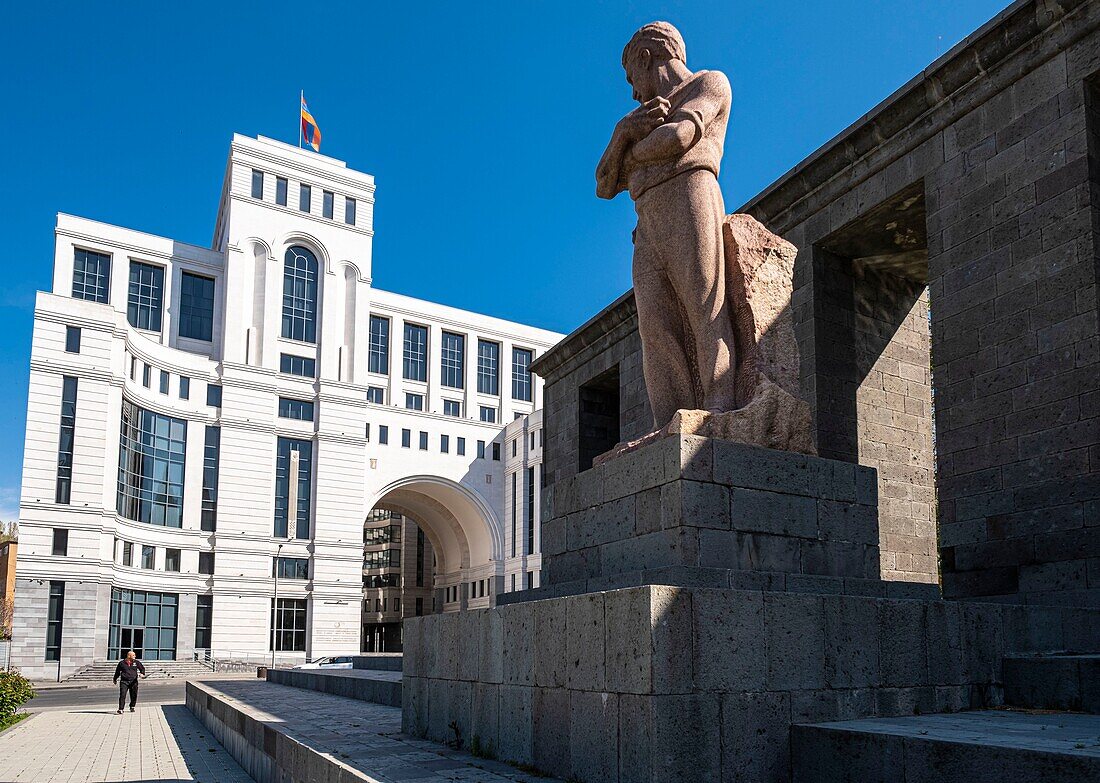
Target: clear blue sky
(482,123)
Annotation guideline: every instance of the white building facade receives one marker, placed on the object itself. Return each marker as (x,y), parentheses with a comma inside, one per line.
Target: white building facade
(206,427)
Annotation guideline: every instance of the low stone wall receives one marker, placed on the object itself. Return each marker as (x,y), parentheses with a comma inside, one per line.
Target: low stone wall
(267,754)
(659,683)
(349,686)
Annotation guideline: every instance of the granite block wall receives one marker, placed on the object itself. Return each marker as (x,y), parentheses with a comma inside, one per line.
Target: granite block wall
(695,502)
(596,687)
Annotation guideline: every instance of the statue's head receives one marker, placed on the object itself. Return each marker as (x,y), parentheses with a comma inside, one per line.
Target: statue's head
(652,46)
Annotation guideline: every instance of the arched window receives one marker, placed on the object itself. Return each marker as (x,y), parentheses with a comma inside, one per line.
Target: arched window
(300,295)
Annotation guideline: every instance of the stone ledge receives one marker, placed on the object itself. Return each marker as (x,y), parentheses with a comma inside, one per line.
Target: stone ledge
(349,683)
(695,576)
(977,747)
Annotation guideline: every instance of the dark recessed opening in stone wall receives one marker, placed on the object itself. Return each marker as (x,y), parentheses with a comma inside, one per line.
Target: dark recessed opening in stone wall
(873,370)
(598,416)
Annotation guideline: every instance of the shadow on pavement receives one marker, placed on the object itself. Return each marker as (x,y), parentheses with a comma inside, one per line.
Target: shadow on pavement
(207,761)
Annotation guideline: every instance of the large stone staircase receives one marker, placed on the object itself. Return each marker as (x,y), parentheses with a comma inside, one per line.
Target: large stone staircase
(1048,730)
(103,671)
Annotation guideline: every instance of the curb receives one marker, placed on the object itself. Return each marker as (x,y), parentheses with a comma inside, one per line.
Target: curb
(30,716)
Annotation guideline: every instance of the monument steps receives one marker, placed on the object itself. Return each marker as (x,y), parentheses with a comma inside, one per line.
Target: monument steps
(989,746)
(1065,681)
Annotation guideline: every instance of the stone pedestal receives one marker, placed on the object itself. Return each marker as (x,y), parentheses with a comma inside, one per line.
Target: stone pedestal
(696,512)
(701,598)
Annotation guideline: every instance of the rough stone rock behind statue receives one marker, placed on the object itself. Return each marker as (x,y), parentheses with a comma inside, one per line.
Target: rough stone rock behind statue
(770,412)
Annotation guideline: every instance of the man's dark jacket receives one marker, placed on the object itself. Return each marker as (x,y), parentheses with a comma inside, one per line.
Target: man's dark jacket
(128,673)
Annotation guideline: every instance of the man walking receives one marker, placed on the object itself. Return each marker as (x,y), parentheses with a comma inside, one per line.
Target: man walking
(128,671)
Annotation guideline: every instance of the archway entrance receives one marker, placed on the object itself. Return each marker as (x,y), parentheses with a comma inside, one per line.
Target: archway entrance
(430,545)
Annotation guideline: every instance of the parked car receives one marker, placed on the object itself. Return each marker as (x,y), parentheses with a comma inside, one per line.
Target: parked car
(328,662)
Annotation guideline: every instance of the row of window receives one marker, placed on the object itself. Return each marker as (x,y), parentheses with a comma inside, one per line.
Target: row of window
(444,442)
(164,381)
(383,558)
(128,554)
(145,294)
(305,196)
(91,280)
(380,605)
(452,360)
(414,401)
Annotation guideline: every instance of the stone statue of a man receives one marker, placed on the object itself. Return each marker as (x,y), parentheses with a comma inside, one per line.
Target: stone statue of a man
(666,153)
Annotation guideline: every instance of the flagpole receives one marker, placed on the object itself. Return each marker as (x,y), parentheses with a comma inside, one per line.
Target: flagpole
(301,100)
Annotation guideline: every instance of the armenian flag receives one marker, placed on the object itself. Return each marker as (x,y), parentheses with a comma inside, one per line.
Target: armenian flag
(310,132)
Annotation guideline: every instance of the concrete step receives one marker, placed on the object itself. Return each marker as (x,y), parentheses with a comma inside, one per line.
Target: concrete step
(992,746)
(387,662)
(377,687)
(1053,682)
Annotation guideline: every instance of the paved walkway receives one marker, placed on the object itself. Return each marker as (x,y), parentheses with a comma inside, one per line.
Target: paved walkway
(363,735)
(156,744)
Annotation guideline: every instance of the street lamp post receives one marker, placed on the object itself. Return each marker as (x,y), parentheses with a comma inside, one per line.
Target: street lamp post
(275,608)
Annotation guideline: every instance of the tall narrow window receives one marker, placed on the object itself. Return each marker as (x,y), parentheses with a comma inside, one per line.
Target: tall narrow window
(452,360)
(280,191)
(326,203)
(204,621)
(530,510)
(164,381)
(300,295)
(349,211)
(63,489)
(515,510)
(211,459)
(171,559)
(423,441)
(460,447)
(415,365)
(60,542)
(521,374)
(293,487)
(148,557)
(152,450)
(91,276)
(196,307)
(55,620)
(406,438)
(305,196)
(257,183)
(378,359)
(213,395)
(445,444)
(288,625)
(72,339)
(127,553)
(146,295)
(488,367)
(383,435)
(206,562)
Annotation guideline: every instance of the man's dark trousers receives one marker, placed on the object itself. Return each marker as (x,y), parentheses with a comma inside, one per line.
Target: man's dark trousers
(124,688)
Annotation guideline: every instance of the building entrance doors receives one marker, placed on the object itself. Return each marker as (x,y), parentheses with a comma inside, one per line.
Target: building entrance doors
(132,639)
